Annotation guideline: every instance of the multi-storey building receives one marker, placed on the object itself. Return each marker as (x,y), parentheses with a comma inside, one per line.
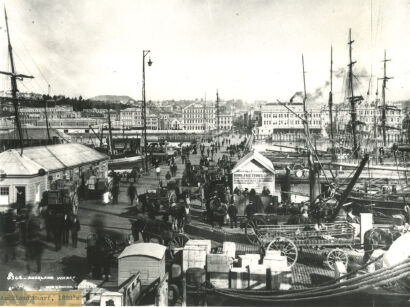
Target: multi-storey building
(152,121)
(277,119)
(132,117)
(199,117)
(369,118)
(225,121)
(38,113)
(72,125)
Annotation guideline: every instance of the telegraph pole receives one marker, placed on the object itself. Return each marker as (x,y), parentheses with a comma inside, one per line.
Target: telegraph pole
(204,114)
(384,107)
(144,106)
(217,116)
(353,99)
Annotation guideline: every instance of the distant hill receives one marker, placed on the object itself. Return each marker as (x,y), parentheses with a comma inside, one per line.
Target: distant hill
(113,99)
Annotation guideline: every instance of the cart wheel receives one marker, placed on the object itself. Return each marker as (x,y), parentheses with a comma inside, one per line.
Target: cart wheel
(173,294)
(252,231)
(336,255)
(178,241)
(286,247)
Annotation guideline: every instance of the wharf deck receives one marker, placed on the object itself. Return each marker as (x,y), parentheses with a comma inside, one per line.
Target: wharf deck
(307,272)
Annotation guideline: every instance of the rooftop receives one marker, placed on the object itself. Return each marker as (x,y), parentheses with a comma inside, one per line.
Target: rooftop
(51,158)
(153,250)
(254,155)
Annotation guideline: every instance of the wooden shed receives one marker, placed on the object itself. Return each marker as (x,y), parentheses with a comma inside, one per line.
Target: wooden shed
(24,178)
(254,171)
(148,259)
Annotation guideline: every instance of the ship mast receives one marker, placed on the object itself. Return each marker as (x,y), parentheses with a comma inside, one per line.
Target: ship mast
(111,151)
(353,99)
(384,107)
(14,89)
(376,102)
(46,117)
(331,105)
(312,168)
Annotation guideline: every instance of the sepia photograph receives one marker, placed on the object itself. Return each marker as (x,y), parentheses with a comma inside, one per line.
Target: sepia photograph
(205,153)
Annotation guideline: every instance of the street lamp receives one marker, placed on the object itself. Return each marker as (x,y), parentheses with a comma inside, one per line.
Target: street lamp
(144,106)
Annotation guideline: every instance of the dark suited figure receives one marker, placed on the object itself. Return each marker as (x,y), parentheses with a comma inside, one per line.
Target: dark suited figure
(75,228)
(23,225)
(9,242)
(132,191)
(66,229)
(232,212)
(34,248)
(58,229)
(48,219)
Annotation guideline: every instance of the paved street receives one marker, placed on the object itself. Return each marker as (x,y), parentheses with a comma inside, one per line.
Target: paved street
(71,261)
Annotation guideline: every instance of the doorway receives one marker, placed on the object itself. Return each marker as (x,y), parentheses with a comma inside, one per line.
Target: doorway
(21,197)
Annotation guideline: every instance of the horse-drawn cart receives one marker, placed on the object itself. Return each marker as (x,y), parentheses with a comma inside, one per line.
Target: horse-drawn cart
(289,239)
(159,231)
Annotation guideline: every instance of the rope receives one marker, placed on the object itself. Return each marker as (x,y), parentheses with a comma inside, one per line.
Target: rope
(322,289)
(370,283)
(354,285)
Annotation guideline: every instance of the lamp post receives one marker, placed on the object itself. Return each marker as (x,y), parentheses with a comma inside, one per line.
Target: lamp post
(144,105)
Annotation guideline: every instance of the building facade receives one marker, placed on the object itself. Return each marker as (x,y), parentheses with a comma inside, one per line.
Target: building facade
(199,117)
(277,119)
(369,117)
(225,121)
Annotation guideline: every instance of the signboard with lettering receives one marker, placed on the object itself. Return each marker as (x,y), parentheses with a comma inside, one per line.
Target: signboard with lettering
(254,176)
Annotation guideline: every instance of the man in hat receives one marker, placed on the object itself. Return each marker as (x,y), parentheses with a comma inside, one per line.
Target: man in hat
(250,210)
(232,212)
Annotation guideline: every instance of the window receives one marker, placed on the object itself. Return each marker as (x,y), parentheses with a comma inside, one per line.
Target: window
(4,195)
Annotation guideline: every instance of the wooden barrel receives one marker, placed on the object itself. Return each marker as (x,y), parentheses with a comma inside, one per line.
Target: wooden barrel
(195,276)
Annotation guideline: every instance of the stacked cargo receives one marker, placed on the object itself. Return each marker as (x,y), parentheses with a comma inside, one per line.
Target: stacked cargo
(272,274)
(249,259)
(218,267)
(257,276)
(194,254)
(275,261)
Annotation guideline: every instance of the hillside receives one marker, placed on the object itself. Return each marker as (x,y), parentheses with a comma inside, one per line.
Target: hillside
(113,99)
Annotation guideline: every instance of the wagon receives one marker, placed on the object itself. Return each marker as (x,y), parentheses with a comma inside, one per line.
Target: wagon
(289,239)
(160,232)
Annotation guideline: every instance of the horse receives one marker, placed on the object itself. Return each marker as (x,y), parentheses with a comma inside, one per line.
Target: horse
(178,215)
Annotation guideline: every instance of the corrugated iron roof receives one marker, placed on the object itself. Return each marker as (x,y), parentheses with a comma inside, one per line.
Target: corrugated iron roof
(13,164)
(153,250)
(51,158)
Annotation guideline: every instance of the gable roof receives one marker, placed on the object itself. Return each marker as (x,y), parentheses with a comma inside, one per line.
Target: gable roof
(254,155)
(51,158)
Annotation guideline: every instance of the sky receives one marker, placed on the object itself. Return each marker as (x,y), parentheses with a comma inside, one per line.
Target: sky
(247,49)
